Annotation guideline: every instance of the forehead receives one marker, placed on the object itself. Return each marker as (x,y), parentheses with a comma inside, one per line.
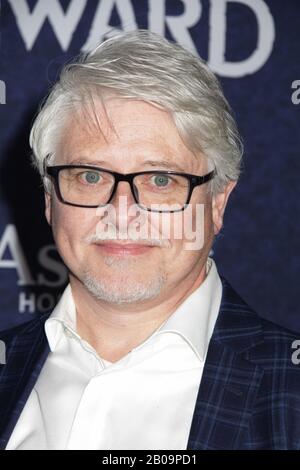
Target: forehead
(124,131)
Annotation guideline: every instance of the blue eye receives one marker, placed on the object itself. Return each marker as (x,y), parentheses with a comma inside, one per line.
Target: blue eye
(161,180)
(91,177)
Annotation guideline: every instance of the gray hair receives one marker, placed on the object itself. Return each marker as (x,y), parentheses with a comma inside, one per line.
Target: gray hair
(143,65)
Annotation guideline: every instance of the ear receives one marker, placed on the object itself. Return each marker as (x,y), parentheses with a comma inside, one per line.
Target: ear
(219,203)
(48,201)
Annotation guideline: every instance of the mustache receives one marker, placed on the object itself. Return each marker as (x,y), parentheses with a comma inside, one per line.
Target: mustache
(101,237)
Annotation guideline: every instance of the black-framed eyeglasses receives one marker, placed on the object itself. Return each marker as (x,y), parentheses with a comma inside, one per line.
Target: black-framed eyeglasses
(156,191)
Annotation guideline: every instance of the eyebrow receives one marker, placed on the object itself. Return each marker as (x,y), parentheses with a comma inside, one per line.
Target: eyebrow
(153,163)
(164,164)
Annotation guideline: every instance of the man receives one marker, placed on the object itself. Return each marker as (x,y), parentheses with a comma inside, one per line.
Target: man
(148,347)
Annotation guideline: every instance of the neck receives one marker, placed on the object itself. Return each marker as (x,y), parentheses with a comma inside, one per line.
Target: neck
(114,330)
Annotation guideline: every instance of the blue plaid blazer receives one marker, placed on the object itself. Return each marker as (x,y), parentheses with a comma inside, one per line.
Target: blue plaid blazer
(249,396)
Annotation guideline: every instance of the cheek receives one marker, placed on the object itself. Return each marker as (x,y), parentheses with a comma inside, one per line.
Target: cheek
(70,225)
(183,228)
(202,215)
(192,226)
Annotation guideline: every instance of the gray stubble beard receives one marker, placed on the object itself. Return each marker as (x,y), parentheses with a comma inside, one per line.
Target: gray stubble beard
(116,292)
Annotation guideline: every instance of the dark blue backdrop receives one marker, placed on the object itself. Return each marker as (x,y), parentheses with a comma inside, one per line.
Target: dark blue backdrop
(253,45)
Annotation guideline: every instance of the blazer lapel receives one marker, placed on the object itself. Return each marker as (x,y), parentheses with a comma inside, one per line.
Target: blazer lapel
(229,382)
(26,354)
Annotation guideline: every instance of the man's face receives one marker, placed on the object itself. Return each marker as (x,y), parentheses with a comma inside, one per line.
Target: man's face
(131,136)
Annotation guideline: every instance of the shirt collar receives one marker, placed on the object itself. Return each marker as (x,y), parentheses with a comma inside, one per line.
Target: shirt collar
(193,320)
(62,319)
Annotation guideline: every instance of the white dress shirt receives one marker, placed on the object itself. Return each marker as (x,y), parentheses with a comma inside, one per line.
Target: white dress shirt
(145,400)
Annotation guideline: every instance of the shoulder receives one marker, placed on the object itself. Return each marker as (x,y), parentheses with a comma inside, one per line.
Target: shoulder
(259,335)
(278,354)
(237,307)
(272,347)
(31,328)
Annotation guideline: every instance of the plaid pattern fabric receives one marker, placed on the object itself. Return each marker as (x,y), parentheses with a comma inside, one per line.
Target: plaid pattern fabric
(249,396)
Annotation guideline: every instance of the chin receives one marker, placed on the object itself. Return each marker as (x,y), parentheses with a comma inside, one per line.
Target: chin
(121,289)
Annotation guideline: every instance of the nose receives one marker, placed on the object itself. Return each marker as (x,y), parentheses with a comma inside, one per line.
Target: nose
(123,200)
(123,190)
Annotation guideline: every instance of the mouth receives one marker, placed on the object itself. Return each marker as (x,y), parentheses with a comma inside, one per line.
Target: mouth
(124,248)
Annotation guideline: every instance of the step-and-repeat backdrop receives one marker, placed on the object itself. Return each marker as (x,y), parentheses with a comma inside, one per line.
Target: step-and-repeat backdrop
(254,48)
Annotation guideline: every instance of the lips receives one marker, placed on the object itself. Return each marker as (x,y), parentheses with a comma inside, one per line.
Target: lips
(124,248)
